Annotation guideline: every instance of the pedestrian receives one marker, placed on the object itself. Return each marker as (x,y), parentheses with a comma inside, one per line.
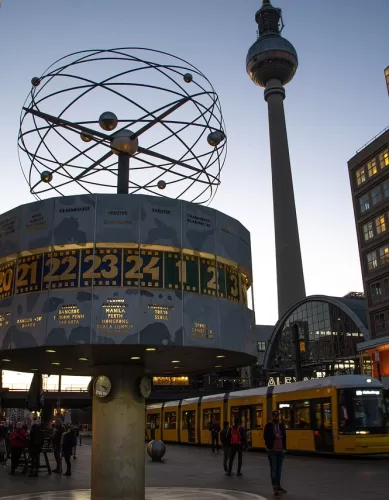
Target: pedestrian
(67,445)
(18,442)
(76,433)
(3,442)
(37,439)
(236,437)
(215,429)
(56,444)
(225,444)
(275,441)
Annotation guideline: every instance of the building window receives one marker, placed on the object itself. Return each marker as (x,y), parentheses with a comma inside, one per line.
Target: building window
(376,195)
(261,346)
(384,158)
(364,203)
(386,287)
(372,260)
(385,185)
(368,231)
(372,168)
(380,225)
(384,255)
(360,175)
(376,291)
(379,322)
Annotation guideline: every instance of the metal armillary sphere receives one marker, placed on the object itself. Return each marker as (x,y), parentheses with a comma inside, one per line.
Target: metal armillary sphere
(131,119)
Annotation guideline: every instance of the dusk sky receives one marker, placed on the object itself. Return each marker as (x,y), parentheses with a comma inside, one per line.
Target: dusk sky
(336,103)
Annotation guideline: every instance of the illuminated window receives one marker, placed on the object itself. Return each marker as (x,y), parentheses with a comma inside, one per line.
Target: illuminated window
(302,419)
(261,346)
(384,158)
(364,203)
(170,420)
(210,415)
(258,417)
(368,231)
(360,175)
(376,195)
(285,410)
(376,291)
(384,255)
(372,168)
(153,420)
(380,225)
(372,260)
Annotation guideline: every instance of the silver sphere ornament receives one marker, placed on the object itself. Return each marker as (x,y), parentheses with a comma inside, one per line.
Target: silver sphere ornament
(46,176)
(35,82)
(188,78)
(122,142)
(161,184)
(108,121)
(85,137)
(215,138)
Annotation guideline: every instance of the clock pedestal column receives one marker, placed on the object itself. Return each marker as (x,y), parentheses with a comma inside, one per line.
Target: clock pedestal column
(118,442)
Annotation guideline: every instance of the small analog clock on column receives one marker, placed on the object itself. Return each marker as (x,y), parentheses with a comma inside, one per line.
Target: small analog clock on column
(102,386)
(145,386)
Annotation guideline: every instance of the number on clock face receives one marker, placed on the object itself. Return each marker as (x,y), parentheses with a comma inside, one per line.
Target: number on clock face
(101,268)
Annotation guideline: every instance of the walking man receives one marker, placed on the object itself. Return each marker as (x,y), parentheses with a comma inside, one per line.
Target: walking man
(56,443)
(275,440)
(225,444)
(37,439)
(67,444)
(215,429)
(236,437)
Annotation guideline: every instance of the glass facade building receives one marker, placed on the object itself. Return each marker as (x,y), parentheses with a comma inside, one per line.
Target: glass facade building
(329,330)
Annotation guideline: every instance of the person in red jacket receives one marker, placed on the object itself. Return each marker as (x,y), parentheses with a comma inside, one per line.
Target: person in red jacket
(18,442)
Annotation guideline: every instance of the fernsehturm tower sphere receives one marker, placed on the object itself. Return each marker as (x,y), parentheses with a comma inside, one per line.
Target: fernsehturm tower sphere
(272,63)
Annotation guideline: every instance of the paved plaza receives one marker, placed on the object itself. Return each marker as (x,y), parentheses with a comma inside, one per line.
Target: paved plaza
(190,473)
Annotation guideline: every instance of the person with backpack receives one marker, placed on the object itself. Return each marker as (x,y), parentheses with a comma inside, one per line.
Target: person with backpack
(225,444)
(275,441)
(236,437)
(37,439)
(215,429)
(67,444)
(17,440)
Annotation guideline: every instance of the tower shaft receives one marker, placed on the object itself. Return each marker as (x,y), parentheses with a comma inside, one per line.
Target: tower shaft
(290,276)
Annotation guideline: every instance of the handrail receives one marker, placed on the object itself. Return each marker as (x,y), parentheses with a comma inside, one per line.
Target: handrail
(372,140)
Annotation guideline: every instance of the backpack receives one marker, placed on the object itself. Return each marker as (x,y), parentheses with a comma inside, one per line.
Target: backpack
(235,436)
(39,437)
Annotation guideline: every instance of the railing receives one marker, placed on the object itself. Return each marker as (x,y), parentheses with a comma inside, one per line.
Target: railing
(372,140)
(51,388)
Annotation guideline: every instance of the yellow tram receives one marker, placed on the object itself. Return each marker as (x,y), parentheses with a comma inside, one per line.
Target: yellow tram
(341,415)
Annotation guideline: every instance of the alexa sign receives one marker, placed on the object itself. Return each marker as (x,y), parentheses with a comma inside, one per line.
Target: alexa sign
(273,381)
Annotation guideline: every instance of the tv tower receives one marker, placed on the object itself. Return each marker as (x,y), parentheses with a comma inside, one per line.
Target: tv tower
(272,63)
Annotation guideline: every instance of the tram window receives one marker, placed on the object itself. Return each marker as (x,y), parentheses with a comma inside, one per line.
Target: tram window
(258,417)
(327,416)
(170,420)
(286,414)
(209,415)
(153,420)
(302,419)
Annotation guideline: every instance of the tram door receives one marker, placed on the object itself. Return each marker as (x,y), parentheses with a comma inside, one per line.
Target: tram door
(191,422)
(322,425)
(246,416)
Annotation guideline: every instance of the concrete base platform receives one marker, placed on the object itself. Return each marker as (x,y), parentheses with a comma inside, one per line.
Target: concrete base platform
(151,494)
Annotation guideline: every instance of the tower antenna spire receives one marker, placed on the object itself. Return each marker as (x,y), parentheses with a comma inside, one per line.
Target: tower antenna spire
(272,63)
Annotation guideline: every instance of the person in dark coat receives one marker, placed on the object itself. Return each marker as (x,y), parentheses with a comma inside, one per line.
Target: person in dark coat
(56,444)
(225,445)
(37,439)
(18,439)
(275,441)
(215,429)
(68,442)
(236,436)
